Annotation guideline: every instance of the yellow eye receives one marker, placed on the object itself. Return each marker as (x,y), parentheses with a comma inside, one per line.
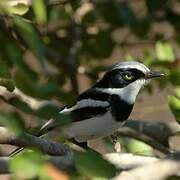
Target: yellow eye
(128,76)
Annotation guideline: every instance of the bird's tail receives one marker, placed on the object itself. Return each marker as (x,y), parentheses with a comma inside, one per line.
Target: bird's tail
(48,126)
(16,151)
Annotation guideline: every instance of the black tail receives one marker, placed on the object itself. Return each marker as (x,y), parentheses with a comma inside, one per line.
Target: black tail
(16,151)
(48,126)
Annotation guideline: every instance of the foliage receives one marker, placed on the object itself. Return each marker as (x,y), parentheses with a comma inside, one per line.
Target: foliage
(46,47)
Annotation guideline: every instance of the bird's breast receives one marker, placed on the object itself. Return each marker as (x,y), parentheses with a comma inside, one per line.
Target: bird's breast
(92,128)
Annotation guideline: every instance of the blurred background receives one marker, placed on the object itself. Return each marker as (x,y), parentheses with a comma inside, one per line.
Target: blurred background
(50,51)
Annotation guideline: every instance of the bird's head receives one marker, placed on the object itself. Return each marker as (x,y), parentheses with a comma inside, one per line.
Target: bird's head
(126,79)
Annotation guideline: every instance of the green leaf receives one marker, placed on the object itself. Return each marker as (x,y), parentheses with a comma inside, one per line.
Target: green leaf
(177,92)
(174,104)
(128,57)
(153,5)
(99,45)
(25,82)
(32,38)
(8,83)
(49,111)
(4,70)
(39,11)
(5,76)
(127,15)
(23,106)
(13,7)
(32,87)
(13,122)
(28,165)
(165,52)
(136,147)
(94,166)
(174,77)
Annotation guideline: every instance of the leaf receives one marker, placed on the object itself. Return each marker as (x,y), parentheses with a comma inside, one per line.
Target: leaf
(174,77)
(113,16)
(28,165)
(5,76)
(153,5)
(128,57)
(127,15)
(165,52)
(174,104)
(31,37)
(39,11)
(14,7)
(136,147)
(177,92)
(49,111)
(23,106)
(13,122)
(99,45)
(32,87)
(93,165)
(25,82)
(8,83)
(4,70)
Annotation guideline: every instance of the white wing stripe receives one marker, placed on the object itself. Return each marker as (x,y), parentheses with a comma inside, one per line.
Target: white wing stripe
(86,103)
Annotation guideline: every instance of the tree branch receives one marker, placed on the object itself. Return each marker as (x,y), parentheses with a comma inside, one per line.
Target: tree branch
(4,165)
(158,170)
(157,130)
(61,155)
(126,161)
(30,141)
(62,162)
(154,134)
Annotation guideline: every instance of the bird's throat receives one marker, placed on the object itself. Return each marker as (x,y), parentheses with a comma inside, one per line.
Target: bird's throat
(120,109)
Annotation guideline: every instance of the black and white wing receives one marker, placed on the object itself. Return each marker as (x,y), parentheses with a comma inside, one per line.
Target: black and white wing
(89,104)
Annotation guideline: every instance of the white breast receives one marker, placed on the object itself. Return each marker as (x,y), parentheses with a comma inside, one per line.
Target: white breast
(91,128)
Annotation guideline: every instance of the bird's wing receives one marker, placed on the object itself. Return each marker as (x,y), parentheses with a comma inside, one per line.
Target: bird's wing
(89,104)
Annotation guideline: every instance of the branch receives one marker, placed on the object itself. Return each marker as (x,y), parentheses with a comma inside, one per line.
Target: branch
(157,130)
(61,155)
(4,165)
(122,161)
(8,97)
(158,170)
(126,161)
(154,134)
(73,56)
(30,141)
(62,162)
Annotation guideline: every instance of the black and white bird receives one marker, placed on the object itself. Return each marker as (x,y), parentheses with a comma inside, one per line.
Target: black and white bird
(103,108)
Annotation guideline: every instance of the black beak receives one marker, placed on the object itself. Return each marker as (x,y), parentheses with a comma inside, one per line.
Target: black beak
(154,74)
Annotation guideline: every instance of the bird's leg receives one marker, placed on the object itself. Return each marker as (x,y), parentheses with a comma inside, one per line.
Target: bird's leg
(116,143)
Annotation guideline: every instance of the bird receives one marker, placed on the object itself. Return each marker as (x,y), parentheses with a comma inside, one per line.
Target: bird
(103,108)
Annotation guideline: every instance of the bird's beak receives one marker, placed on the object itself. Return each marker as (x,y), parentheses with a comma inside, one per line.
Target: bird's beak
(154,74)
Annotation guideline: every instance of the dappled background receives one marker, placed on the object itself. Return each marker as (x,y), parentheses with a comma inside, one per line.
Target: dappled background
(50,51)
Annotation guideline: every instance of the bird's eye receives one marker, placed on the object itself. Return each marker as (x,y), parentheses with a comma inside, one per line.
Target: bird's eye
(128,76)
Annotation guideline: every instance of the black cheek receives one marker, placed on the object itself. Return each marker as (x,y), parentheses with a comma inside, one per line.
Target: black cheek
(117,81)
